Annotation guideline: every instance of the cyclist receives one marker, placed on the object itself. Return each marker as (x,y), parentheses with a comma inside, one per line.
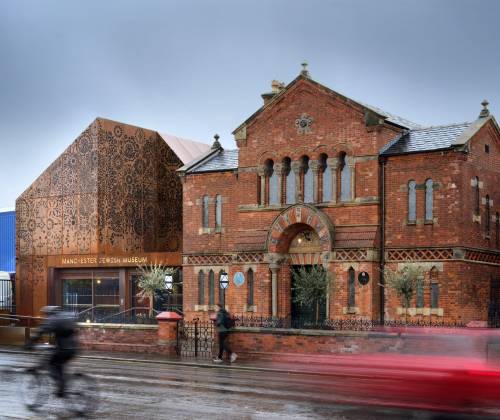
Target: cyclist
(63,327)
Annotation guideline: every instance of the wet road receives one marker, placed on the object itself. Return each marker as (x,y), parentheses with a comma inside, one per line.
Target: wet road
(136,390)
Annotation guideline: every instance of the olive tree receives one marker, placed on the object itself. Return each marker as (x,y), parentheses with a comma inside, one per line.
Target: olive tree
(152,281)
(404,282)
(310,286)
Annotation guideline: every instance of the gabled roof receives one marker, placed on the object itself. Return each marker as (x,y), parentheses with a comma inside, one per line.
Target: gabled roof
(217,160)
(388,117)
(186,150)
(424,139)
(435,138)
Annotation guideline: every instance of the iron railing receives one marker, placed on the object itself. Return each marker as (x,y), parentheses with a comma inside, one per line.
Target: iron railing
(136,315)
(195,338)
(352,324)
(7,296)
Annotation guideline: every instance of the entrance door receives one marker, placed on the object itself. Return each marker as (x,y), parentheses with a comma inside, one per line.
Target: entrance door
(306,316)
(494,307)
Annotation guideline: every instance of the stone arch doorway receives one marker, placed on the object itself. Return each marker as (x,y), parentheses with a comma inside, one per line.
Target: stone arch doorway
(300,236)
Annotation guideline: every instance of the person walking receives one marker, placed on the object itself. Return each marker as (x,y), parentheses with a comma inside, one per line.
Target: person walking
(223,323)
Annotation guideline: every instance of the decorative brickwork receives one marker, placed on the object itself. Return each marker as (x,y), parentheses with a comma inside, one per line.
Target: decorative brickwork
(209,259)
(249,257)
(483,256)
(351,254)
(421,254)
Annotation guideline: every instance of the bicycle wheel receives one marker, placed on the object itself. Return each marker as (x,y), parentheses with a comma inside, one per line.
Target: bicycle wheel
(82,394)
(35,388)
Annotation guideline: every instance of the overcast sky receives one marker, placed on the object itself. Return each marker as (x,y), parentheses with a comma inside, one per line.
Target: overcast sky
(195,68)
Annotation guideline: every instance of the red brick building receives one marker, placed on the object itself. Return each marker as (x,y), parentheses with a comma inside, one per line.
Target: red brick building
(319,178)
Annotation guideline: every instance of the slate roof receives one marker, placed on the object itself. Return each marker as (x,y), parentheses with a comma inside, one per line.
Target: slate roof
(220,160)
(395,119)
(425,139)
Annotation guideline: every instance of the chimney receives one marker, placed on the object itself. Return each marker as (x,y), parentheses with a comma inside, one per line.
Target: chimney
(276,87)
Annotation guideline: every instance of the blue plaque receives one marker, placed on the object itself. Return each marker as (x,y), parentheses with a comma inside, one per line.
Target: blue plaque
(238,278)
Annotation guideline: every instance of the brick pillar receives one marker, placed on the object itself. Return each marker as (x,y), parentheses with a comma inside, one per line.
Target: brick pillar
(299,195)
(168,323)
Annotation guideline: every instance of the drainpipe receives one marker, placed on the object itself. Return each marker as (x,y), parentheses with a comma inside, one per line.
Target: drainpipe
(382,162)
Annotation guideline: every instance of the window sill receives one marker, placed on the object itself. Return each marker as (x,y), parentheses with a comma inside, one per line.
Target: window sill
(350,310)
(411,223)
(428,222)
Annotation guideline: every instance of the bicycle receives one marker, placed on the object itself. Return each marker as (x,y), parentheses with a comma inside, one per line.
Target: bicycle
(81,396)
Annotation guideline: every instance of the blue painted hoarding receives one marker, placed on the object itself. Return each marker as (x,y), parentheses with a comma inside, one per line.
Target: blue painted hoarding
(8,241)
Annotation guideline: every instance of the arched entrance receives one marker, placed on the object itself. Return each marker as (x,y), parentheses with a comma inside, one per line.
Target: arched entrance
(306,276)
(301,236)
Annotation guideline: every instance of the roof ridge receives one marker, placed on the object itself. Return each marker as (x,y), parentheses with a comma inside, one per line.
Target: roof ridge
(441,126)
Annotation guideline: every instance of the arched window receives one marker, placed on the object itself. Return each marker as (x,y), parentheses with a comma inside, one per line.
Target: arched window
(420,294)
(476,195)
(345,178)
(274,196)
(429,200)
(326,178)
(205,211)
(250,287)
(412,201)
(221,290)
(434,288)
(497,229)
(351,285)
(308,180)
(218,211)
(289,181)
(201,287)
(211,288)
(487,224)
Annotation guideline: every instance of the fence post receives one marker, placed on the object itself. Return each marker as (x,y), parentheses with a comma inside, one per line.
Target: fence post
(196,339)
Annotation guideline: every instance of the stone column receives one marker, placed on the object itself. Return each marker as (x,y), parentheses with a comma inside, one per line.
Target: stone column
(274,288)
(278,168)
(261,171)
(168,323)
(299,195)
(333,163)
(352,169)
(314,167)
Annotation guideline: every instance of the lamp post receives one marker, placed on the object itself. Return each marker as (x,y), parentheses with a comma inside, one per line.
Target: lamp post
(223,284)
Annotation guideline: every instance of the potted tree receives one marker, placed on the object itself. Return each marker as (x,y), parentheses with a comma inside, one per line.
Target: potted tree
(152,282)
(404,282)
(311,286)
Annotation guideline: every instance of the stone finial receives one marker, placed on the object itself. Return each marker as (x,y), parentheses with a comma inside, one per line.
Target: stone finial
(304,72)
(485,112)
(216,144)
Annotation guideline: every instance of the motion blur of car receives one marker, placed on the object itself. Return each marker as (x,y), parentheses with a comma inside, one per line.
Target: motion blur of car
(458,372)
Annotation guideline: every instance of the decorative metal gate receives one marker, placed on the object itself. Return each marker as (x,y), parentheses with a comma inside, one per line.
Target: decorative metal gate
(196,338)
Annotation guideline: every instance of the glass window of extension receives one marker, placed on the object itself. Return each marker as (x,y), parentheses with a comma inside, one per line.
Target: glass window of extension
(218,211)
(345,178)
(205,219)
(429,200)
(412,201)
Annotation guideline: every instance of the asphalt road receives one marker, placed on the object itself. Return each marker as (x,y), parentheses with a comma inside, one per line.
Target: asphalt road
(138,390)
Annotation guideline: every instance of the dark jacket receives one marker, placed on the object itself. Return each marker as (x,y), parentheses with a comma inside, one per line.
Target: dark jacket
(63,326)
(222,319)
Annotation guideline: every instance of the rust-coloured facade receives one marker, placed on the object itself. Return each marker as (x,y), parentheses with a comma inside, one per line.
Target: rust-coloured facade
(351,212)
(111,202)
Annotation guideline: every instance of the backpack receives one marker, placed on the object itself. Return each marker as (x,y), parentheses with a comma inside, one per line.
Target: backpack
(227,320)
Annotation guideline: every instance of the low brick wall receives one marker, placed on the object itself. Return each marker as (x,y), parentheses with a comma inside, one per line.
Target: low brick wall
(121,337)
(274,343)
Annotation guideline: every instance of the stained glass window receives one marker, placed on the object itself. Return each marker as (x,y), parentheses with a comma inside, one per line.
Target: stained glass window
(429,200)
(412,201)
